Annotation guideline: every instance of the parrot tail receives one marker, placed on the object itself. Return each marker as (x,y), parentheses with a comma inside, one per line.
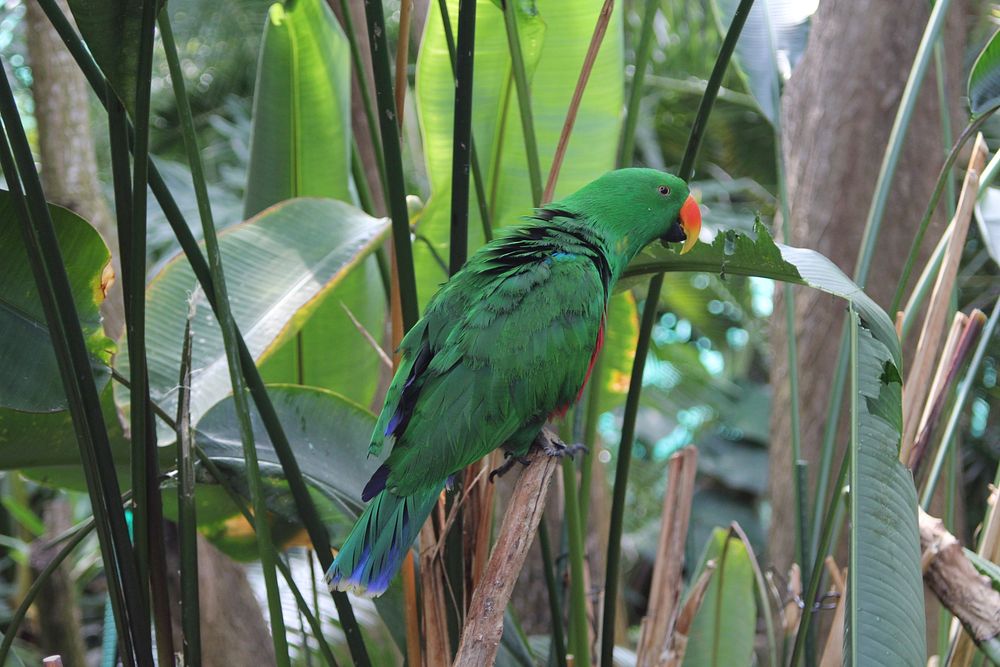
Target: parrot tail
(377,544)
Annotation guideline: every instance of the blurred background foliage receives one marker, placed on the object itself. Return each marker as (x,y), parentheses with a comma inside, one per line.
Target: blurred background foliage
(707,381)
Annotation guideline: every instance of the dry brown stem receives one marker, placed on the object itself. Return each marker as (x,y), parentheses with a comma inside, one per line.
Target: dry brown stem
(665,590)
(484,622)
(917,382)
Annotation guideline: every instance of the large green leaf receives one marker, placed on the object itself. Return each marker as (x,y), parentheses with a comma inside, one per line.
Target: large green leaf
(111,30)
(724,627)
(885,593)
(554,38)
(29,373)
(886,625)
(984,79)
(278,265)
(735,253)
(301,147)
(329,435)
(47,440)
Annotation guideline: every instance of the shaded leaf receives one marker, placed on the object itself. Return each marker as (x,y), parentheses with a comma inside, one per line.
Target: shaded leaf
(329,435)
(984,78)
(30,378)
(885,595)
(111,30)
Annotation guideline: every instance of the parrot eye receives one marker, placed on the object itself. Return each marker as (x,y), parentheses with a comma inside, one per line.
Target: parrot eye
(664,190)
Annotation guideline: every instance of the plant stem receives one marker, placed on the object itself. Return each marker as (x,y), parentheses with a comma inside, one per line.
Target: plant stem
(523,101)
(642,346)
(642,53)
(911,257)
(461,142)
(579,638)
(265,547)
(897,135)
(962,396)
(269,417)
(134,290)
(366,99)
(829,523)
(396,187)
(66,335)
(477,172)
(555,607)
(187,521)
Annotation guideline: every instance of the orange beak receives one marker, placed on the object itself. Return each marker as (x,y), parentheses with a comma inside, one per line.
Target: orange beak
(690,222)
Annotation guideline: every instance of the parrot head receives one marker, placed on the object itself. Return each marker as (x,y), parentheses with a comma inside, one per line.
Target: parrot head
(638,206)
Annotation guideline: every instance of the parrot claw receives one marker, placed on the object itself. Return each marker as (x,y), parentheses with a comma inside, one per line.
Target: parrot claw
(559,449)
(502,470)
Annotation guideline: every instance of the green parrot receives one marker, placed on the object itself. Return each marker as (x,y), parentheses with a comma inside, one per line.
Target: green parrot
(507,343)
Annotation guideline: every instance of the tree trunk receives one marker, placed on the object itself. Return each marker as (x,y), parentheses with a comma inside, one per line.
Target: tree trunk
(838,109)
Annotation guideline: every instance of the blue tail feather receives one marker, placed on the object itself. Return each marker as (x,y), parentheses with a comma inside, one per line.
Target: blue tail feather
(378,542)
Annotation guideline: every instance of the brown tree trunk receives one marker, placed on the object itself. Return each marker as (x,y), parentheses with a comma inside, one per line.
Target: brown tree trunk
(838,109)
(66,146)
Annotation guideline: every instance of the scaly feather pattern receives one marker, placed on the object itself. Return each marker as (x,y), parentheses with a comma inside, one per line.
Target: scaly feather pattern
(507,342)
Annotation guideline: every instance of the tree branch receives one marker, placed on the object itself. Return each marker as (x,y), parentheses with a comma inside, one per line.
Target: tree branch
(484,624)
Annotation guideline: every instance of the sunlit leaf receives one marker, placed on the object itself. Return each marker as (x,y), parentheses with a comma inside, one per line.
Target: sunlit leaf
(301,147)
(277,265)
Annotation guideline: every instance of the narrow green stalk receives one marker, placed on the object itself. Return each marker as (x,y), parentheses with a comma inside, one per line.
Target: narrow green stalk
(951,472)
(67,339)
(911,257)
(265,547)
(366,99)
(642,52)
(385,96)
(897,136)
(926,280)
(477,172)
(523,101)
(809,600)
(961,397)
(269,417)
(461,141)
(187,520)
(223,481)
(945,112)
(802,554)
(134,290)
(555,607)
(579,635)
(642,346)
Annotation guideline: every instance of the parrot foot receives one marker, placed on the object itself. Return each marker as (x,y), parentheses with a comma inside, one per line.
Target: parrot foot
(555,447)
(502,470)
